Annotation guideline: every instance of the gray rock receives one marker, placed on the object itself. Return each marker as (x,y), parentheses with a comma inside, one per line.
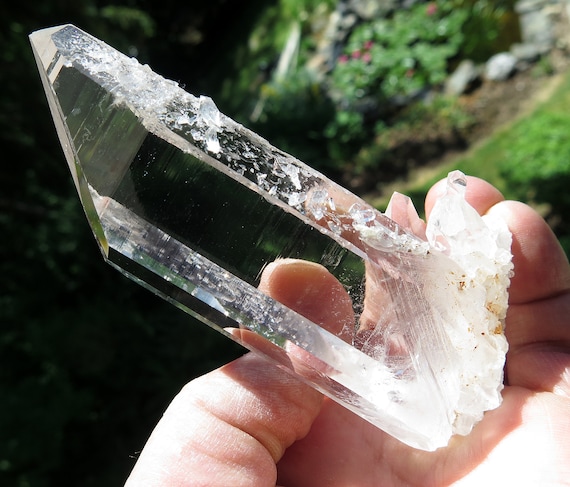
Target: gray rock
(370,9)
(536,28)
(500,66)
(526,52)
(463,78)
(525,6)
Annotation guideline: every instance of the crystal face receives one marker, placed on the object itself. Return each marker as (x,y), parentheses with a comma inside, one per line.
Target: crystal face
(194,206)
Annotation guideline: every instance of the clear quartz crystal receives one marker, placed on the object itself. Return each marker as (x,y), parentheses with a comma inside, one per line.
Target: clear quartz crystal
(193,206)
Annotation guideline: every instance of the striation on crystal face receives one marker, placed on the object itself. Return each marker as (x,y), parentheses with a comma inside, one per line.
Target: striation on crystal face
(193,206)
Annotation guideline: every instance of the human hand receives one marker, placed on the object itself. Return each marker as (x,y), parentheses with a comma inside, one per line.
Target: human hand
(251,424)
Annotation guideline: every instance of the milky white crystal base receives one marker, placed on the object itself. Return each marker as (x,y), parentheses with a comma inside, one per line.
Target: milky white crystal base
(425,356)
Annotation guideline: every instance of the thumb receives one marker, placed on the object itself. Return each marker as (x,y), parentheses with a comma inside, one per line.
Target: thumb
(231,426)
(312,291)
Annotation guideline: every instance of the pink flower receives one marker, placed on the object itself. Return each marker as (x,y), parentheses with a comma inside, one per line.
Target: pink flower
(431,8)
(343,59)
(356,54)
(366,57)
(409,73)
(368,45)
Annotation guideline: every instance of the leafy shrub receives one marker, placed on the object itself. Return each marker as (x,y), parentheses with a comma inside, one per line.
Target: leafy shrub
(498,21)
(129,19)
(422,132)
(293,117)
(393,57)
(432,118)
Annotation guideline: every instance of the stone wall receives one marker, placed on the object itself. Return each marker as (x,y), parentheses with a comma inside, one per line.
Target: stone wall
(544,26)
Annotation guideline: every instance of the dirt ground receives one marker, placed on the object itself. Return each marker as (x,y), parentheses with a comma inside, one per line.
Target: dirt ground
(495,104)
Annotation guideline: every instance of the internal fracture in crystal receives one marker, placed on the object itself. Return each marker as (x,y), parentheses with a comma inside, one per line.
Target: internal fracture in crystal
(194,206)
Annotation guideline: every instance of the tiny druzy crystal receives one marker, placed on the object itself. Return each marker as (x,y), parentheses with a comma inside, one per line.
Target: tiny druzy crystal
(194,206)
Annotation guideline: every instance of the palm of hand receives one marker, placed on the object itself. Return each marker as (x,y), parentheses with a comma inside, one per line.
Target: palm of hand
(524,442)
(251,424)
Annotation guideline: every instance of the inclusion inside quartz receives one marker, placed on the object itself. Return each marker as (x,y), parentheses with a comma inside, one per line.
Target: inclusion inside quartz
(194,206)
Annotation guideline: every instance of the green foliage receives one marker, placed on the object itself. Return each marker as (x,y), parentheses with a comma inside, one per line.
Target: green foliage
(439,114)
(418,129)
(538,161)
(248,65)
(491,26)
(301,9)
(536,167)
(543,67)
(397,57)
(129,19)
(293,116)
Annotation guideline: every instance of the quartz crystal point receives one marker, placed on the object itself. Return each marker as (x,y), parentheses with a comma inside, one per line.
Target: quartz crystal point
(193,206)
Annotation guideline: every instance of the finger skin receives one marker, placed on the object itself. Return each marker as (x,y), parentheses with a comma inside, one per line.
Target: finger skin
(524,442)
(309,289)
(231,426)
(538,318)
(541,267)
(228,427)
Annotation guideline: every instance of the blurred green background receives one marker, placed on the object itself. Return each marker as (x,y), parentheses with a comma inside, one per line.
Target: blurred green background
(89,360)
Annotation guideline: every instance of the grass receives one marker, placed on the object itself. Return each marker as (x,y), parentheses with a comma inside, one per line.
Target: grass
(484,160)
